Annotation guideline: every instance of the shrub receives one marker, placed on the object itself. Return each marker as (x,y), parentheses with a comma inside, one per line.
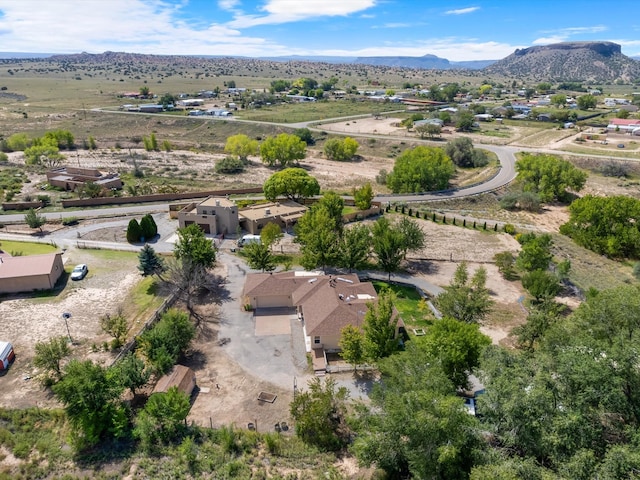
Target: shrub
(230,165)
(636,270)
(148,227)
(134,231)
(509,228)
(4,157)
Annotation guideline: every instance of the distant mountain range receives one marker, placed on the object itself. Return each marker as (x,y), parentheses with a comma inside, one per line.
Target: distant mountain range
(580,61)
(595,62)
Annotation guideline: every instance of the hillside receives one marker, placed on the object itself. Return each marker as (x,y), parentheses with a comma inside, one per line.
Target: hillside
(580,61)
(428,62)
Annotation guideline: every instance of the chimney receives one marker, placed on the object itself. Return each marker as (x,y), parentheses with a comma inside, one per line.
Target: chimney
(217,202)
(267,212)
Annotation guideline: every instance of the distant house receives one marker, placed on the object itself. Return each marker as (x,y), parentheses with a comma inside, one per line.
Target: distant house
(70,178)
(215,215)
(429,121)
(181,377)
(545,117)
(624,125)
(191,102)
(219,112)
(483,117)
(151,108)
(30,272)
(285,214)
(325,304)
(301,98)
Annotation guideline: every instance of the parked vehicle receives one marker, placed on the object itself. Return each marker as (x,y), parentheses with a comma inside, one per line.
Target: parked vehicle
(7,355)
(79,272)
(248,239)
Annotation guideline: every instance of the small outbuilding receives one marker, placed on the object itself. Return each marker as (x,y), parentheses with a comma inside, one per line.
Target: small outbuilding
(29,272)
(7,355)
(180,376)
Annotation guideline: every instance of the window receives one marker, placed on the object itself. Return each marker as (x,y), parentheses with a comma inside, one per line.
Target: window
(316,340)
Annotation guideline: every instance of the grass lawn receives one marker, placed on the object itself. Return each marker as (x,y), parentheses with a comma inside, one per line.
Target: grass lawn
(408,302)
(143,299)
(26,248)
(301,112)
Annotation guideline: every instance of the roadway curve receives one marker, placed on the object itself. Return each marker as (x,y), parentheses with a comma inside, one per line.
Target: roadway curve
(506,157)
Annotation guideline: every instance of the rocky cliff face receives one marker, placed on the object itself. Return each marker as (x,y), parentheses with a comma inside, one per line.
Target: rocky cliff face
(582,61)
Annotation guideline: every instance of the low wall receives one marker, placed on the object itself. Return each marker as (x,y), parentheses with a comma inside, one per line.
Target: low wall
(158,197)
(22,205)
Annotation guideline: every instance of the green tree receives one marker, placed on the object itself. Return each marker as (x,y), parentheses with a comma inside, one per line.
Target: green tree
(131,373)
(144,91)
(167,340)
(150,263)
(285,149)
(352,345)
(230,165)
(34,220)
(89,190)
(535,253)
(162,418)
(320,415)
(559,100)
(505,261)
(193,248)
(305,135)
(340,149)
(91,143)
(271,234)
(259,257)
(416,426)
(543,87)
(49,356)
(542,285)
(43,152)
(62,138)
(388,245)
(18,142)
(90,396)
(334,204)
(420,169)
(134,232)
(116,326)
(354,247)
(317,233)
(457,347)
(293,183)
(462,153)
(606,225)
(465,122)
(412,234)
(549,176)
(241,146)
(430,130)
(148,227)
(466,299)
(586,102)
(363,196)
(379,326)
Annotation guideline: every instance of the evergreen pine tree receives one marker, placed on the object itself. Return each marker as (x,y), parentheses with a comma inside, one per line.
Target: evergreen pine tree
(150,262)
(134,232)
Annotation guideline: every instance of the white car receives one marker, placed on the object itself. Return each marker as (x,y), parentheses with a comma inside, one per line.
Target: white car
(79,272)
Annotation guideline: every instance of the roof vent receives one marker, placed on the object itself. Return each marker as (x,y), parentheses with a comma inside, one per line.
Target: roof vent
(267,211)
(217,203)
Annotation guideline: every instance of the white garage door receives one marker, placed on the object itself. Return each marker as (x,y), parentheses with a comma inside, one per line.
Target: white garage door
(274,301)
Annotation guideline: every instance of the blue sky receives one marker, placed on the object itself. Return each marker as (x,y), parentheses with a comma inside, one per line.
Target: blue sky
(457,30)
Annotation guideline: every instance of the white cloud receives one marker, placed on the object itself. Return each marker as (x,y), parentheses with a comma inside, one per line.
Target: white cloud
(450,48)
(144,26)
(461,11)
(563,34)
(284,11)
(228,4)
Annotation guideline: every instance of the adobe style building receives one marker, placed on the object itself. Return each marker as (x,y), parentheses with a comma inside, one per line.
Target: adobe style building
(284,214)
(324,303)
(70,178)
(215,216)
(30,272)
